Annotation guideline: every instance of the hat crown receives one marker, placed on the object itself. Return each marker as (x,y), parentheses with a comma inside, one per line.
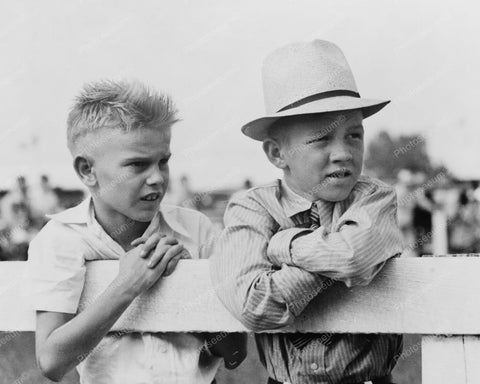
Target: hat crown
(300,70)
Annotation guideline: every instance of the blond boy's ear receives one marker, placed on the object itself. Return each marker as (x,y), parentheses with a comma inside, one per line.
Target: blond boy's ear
(274,152)
(84,169)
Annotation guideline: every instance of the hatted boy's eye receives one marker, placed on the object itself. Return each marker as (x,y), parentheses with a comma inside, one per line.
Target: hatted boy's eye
(317,139)
(356,134)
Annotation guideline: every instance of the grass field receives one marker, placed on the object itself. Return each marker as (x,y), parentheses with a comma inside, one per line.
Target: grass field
(17,364)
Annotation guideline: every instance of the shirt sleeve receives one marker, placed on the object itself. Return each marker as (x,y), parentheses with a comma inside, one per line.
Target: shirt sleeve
(365,236)
(252,289)
(56,269)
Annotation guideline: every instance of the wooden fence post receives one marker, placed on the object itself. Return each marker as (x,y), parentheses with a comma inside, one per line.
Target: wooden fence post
(450,360)
(439,232)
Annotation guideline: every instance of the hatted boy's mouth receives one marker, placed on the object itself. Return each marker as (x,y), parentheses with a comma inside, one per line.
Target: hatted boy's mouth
(151,197)
(340,174)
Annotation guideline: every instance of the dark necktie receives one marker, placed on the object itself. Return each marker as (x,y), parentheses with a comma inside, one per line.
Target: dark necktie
(300,340)
(314,217)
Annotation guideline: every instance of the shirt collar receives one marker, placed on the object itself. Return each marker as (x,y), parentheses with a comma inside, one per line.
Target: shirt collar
(168,214)
(293,203)
(80,214)
(75,215)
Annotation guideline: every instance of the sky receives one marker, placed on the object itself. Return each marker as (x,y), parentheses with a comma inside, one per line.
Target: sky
(424,56)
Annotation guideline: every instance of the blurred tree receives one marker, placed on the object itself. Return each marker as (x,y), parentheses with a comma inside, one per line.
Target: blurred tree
(386,155)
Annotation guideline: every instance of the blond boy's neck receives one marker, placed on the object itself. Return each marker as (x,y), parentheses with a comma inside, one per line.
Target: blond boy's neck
(122,232)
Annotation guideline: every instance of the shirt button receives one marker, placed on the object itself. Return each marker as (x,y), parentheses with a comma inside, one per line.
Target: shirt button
(314,366)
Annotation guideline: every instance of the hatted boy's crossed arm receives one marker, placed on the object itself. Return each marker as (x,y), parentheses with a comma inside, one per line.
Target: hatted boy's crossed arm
(255,292)
(365,237)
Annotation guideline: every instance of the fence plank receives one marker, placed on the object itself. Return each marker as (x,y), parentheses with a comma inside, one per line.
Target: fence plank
(411,295)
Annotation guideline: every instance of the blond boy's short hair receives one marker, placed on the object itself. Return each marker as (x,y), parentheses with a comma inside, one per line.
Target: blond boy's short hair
(122,105)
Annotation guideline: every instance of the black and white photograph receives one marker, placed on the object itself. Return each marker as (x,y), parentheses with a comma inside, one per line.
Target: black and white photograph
(239,192)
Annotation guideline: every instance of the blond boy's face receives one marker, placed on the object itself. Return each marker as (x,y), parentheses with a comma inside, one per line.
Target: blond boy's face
(132,173)
(323,154)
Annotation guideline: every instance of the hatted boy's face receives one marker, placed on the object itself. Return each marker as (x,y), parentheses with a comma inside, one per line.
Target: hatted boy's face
(323,154)
(132,173)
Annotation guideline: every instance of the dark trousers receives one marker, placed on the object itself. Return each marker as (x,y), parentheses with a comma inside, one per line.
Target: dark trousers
(380,380)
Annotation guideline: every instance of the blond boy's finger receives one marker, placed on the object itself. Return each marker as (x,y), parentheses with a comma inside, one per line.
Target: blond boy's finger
(186,254)
(154,226)
(171,260)
(142,239)
(150,244)
(158,254)
(138,241)
(169,240)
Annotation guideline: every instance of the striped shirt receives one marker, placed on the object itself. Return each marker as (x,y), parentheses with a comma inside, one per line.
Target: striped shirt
(267,263)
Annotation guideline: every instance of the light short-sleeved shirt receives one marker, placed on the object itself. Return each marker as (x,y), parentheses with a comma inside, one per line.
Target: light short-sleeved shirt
(57,259)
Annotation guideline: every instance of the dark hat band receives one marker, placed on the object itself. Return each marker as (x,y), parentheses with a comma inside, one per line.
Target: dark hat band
(319,96)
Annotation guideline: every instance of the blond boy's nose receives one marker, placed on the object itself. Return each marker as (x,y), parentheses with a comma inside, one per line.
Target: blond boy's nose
(156,177)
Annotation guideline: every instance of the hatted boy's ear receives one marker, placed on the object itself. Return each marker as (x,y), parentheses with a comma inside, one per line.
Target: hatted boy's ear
(274,152)
(84,169)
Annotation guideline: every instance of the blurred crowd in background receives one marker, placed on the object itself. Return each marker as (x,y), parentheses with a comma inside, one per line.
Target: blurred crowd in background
(421,201)
(429,205)
(23,211)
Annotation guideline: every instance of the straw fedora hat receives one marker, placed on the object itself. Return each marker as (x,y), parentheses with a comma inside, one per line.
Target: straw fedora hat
(307,78)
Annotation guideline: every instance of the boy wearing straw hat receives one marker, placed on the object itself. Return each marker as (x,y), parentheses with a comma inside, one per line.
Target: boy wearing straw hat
(284,242)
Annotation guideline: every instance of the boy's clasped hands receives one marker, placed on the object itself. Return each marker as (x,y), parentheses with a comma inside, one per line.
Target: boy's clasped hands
(152,257)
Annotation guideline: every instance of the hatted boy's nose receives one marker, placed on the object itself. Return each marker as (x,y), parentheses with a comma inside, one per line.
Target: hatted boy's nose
(340,153)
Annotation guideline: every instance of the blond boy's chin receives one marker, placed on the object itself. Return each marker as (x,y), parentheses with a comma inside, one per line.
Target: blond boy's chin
(146,218)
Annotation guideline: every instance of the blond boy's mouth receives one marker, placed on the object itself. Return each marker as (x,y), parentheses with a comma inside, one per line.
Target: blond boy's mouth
(151,197)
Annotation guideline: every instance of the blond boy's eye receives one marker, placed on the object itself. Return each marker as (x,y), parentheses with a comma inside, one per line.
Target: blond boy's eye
(164,161)
(137,164)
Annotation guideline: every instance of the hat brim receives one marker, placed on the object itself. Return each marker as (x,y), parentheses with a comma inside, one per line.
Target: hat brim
(258,128)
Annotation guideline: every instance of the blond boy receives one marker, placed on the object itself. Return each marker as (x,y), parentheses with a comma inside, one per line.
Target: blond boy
(119,137)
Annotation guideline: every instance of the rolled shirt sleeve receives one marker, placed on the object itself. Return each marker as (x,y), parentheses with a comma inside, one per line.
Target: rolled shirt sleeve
(279,247)
(360,242)
(56,269)
(260,295)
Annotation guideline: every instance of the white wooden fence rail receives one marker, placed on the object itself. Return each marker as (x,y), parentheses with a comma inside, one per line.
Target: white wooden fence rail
(436,297)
